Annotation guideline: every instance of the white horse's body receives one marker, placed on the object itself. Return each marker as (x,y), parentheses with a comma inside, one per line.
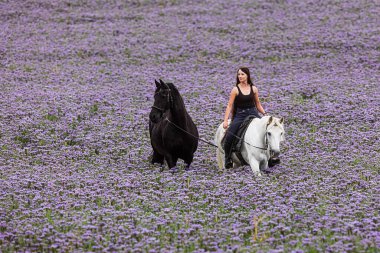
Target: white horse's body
(261,139)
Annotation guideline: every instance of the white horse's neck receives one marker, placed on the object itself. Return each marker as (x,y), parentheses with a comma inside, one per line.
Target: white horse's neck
(255,134)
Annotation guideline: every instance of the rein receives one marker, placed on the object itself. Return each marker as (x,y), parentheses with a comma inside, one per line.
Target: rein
(266,140)
(170,100)
(196,137)
(212,144)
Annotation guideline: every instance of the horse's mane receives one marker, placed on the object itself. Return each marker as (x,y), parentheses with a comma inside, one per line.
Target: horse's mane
(276,122)
(177,98)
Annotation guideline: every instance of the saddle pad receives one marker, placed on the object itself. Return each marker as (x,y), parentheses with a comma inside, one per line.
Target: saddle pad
(237,143)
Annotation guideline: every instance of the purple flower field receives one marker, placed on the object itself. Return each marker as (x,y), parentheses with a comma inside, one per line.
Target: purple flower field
(76,87)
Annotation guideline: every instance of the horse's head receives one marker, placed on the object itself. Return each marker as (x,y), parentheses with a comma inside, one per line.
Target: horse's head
(163,101)
(275,134)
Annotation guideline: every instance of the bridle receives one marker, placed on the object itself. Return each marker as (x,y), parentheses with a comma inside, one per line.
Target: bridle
(267,146)
(169,100)
(158,108)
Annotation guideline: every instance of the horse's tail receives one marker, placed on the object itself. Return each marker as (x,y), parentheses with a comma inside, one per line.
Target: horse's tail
(220,132)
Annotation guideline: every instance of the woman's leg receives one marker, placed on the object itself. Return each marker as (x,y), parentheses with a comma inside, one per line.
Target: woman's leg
(253,111)
(231,131)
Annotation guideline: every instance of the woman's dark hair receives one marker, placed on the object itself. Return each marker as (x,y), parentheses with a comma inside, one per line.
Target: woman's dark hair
(249,81)
(246,71)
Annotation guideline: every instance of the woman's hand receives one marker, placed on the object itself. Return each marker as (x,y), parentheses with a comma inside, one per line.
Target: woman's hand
(234,93)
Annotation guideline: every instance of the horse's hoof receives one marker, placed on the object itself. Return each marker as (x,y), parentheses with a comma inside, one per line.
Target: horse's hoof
(228,164)
(273,161)
(174,170)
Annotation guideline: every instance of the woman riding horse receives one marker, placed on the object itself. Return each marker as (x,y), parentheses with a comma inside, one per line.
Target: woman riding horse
(244,101)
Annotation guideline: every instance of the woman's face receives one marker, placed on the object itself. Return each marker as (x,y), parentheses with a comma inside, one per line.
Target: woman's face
(242,76)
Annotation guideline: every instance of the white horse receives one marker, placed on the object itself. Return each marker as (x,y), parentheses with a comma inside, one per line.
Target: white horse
(261,141)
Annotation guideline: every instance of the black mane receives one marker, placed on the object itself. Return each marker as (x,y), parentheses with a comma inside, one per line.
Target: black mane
(177,98)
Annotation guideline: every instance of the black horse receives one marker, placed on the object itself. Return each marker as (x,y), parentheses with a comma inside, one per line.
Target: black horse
(173,133)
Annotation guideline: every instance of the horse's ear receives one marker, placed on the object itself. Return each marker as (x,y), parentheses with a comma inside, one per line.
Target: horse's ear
(157,83)
(164,84)
(270,120)
(282,120)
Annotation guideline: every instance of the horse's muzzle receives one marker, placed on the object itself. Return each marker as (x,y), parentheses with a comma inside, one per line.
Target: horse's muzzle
(155,117)
(274,153)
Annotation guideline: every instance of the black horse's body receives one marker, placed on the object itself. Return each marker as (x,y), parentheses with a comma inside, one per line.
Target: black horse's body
(173,133)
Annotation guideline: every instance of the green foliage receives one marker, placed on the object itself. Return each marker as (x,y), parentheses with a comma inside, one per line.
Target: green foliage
(94,109)
(23,138)
(51,117)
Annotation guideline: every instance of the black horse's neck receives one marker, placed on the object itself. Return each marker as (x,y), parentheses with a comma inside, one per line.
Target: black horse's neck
(178,113)
(179,117)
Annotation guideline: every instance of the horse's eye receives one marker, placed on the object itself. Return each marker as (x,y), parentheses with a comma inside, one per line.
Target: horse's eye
(269,134)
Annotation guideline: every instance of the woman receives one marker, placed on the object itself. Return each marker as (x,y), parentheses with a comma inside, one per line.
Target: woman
(244,101)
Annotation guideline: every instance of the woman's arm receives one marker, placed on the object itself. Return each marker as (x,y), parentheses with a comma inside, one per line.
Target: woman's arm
(230,105)
(257,101)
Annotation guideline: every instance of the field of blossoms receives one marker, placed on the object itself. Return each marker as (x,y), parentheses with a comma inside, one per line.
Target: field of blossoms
(76,87)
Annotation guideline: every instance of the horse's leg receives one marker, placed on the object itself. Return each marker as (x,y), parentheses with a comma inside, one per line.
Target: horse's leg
(273,161)
(264,165)
(188,161)
(236,165)
(235,161)
(219,158)
(172,163)
(157,158)
(255,167)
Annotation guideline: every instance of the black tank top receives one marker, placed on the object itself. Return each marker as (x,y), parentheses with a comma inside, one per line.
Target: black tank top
(244,101)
